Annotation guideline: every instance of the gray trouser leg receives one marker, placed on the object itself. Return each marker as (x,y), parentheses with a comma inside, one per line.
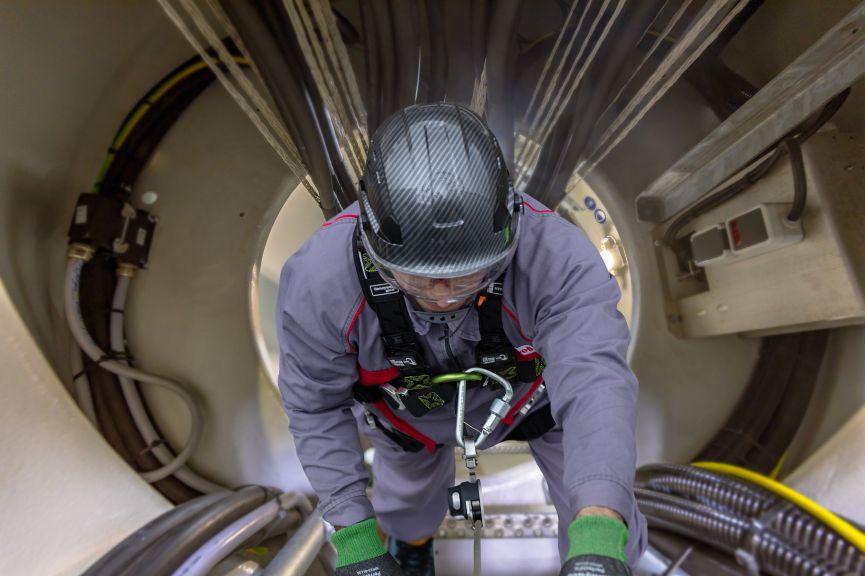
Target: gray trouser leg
(410,488)
(549,455)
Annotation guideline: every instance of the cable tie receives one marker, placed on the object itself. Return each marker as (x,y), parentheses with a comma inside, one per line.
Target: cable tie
(114,356)
(152,446)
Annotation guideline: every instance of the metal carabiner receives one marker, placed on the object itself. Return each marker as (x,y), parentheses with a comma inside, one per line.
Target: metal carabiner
(498,409)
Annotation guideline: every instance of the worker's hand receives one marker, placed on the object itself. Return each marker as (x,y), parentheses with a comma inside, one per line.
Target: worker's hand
(597,547)
(360,552)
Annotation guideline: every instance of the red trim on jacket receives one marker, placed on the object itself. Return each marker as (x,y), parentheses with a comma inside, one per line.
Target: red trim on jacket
(353,322)
(509,419)
(515,319)
(403,426)
(329,222)
(533,209)
(377,377)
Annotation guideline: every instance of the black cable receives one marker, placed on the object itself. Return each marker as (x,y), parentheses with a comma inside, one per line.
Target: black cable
(785,423)
(500,60)
(385,55)
(438,51)
(338,187)
(371,62)
(810,128)
(721,196)
(404,19)
(801,133)
(136,151)
(98,279)
(606,70)
(769,383)
(479,17)
(269,37)
(800,186)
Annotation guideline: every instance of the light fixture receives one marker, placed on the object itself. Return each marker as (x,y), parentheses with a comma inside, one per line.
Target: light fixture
(612,254)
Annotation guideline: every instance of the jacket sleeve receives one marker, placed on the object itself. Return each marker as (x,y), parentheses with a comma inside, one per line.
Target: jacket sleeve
(317,369)
(593,393)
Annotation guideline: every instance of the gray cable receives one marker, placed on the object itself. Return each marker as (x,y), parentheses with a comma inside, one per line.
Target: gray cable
(235,534)
(136,406)
(169,551)
(119,557)
(301,550)
(82,336)
(81,383)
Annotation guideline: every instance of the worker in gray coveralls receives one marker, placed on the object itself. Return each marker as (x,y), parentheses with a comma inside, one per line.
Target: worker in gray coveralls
(439,268)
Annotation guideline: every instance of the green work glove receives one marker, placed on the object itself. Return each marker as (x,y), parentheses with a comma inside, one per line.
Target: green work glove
(359,552)
(597,547)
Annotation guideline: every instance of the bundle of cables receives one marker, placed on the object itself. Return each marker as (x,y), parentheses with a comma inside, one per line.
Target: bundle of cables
(768,527)
(97,283)
(193,538)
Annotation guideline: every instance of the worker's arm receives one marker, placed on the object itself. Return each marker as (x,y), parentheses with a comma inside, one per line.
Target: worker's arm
(570,310)
(317,369)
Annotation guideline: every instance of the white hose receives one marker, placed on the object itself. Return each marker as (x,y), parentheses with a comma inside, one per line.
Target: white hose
(82,385)
(79,331)
(239,531)
(136,406)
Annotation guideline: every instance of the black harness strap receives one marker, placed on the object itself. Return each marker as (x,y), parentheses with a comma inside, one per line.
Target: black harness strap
(494,352)
(401,346)
(534,425)
(414,384)
(404,441)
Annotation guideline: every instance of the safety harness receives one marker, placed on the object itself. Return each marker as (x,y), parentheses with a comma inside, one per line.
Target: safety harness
(408,384)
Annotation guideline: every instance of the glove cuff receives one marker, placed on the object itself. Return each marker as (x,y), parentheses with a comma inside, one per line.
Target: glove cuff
(357,543)
(594,565)
(598,535)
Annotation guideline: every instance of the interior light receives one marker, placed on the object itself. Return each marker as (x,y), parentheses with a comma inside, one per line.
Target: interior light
(612,254)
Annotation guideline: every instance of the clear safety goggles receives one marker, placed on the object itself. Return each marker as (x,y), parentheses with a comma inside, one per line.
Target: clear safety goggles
(443,291)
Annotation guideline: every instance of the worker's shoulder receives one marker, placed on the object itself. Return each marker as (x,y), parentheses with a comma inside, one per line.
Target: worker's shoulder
(548,244)
(321,274)
(542,228)
(328,251)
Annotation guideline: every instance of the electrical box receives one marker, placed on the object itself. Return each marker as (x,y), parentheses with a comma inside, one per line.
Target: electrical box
(761,229)
(760,274)
(107,223)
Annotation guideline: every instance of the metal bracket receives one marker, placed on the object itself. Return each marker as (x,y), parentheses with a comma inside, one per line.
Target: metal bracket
(395,394)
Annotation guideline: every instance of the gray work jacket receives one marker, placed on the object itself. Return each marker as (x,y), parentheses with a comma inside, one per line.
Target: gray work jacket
(558,298)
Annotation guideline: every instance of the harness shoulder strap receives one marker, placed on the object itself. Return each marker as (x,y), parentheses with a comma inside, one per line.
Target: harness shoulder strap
(494,351)
(400,343)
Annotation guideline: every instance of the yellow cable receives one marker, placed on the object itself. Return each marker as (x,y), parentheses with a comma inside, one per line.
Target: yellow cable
(777,469)
(159,93)
(839,525)
(141,109)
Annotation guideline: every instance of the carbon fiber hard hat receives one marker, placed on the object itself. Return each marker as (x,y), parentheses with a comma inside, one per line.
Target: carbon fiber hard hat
(436,200)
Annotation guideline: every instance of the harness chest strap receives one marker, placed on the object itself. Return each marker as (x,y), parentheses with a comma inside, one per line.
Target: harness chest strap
(371,379)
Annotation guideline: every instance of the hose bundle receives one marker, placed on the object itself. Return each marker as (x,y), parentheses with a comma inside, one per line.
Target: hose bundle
(766,529)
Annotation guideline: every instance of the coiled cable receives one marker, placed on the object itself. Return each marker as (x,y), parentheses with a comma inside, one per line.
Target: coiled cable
(136,406)
(88,346)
